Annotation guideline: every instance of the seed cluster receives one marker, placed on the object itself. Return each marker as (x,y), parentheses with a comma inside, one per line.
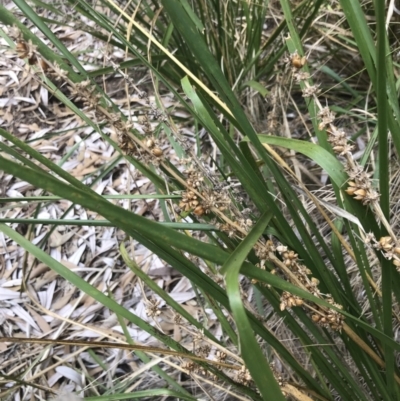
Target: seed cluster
(299,275)
(200,198)
(360,185)
(28,50)
(389,248)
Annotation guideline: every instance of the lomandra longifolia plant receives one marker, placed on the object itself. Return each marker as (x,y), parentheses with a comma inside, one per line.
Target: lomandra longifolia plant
(296,284)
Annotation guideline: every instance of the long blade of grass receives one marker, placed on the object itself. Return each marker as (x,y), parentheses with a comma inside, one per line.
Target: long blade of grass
(315,152)
(250,350)
(383,113)
(142,394)
(105,223)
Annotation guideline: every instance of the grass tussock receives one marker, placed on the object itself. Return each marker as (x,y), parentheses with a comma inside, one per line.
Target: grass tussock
(199,201)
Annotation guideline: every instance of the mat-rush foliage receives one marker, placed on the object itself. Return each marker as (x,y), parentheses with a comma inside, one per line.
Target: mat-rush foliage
(294,251)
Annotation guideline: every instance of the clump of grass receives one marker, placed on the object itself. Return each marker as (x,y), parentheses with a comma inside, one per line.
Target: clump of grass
(281,317)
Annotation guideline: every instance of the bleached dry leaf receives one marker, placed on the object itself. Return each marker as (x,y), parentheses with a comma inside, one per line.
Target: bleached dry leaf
(44,326)
(56,239)
(8,295)
(70,374)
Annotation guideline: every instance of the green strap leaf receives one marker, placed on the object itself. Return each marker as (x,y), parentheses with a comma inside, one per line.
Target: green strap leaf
(315,152)
(250,350)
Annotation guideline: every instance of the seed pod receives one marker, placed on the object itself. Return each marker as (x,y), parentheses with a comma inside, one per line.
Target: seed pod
(386,243)
(297,61)
(22,49)
(360,194)
(157,152)
(315,318)
(338,149)
(314,280)
(198,211)
(150,143)
(299,302)
(351,188)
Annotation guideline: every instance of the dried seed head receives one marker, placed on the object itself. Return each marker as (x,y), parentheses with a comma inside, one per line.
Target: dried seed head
(221,356)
